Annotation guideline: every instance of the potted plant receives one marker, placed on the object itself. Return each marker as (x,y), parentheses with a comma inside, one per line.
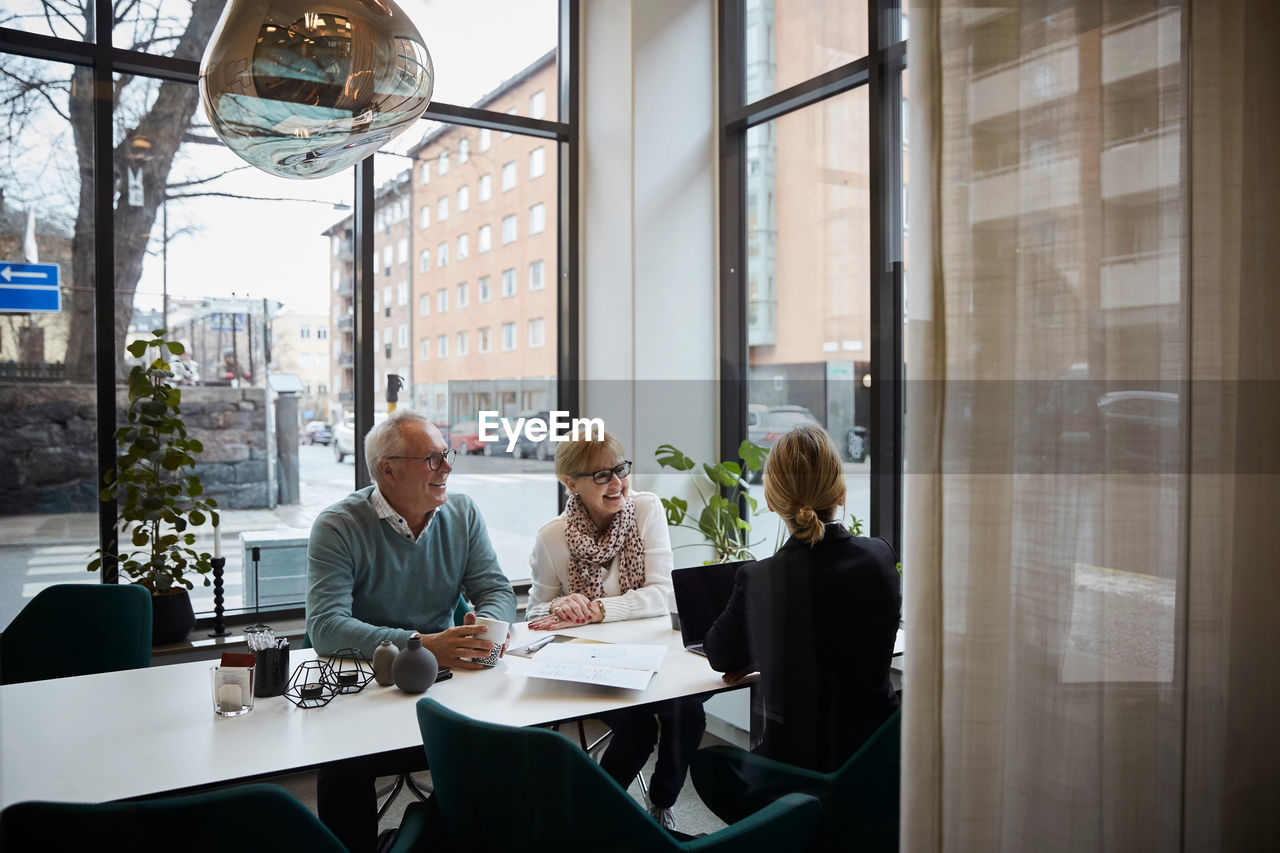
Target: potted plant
(720,521)
(159,499)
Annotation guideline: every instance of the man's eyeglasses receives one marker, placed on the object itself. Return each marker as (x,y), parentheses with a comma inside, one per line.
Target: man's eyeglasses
(605,475)
(433,461)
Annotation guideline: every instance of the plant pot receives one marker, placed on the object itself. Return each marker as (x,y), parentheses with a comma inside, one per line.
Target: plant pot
(172,617)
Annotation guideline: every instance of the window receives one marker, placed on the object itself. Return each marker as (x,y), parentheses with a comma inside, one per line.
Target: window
(442,208)
(424,176)
(538,218)
(442,346)
(509,176)
(442,255)
(304,332)
(424,260)
(537,332)
(375,302)
(508,336)
(424,349)
(337,279)
(536,281)
(483,288)
(510,112)
(484,239)
(442,163)
(464,150)
(424,305)
(484,188)
(402,335)
(442,300)
(402,250)
(336,244)
(537,162)
(386,260)
(508,283)
(464,246)
(463,295)
(463,343)
(464,198)
(483,140)
(508,229)
(424,216)
(377,220)
(386,341)
(321,333)
(538,104)
(402,295)
(482,339)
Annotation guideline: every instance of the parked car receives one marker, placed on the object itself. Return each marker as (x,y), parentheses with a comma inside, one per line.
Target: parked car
(765,425)
(344,435)
(526,448)
(464,437)
(317,432)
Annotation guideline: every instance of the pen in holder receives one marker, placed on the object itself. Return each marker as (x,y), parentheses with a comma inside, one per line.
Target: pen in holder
(272,670)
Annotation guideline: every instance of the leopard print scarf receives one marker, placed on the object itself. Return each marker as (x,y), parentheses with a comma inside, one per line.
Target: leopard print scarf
(591,552)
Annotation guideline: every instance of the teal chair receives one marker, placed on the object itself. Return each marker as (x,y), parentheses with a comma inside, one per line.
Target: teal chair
(540,791)
(77,629)
(859,798)
(248,817)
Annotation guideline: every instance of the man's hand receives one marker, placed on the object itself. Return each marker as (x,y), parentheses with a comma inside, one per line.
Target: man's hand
(470,619)
(455,647)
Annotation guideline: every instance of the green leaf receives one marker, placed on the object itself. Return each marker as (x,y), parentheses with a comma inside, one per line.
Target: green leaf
(718,475)
(752,455)
(176,348)
(669,457)
(137,348)
(194,445)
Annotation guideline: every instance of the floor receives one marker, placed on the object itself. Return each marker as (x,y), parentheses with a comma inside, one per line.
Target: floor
(692,817)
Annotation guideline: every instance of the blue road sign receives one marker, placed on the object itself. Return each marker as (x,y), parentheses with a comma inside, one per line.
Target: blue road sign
(27,288)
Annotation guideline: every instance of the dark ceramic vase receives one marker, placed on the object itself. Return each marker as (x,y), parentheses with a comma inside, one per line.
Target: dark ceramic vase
(415,668)
(383,658)
(172,617)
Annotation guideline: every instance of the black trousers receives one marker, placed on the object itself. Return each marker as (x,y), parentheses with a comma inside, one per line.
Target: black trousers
(636,730)
(347,801)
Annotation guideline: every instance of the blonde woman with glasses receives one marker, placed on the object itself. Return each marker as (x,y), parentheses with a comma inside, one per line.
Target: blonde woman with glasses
(607,557)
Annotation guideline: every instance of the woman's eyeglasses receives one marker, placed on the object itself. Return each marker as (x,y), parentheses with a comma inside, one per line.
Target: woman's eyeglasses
(604,475)
(433,461)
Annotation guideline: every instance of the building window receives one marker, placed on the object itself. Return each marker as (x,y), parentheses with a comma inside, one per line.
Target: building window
(442,163)
(442,255)
(464,150)
(484,188)
(483,288)
(483,139)
(337,279)
(537,332)
(538,104)
(424,216)
(321,333)
(507,134)
(537,162)
(386,341)
(402,250)
(424,349)
(508,229)
(538,218)
(508,283)
(386,260)
(509,176)
(464,198)
(424,305)
(322,389)
(386,299)
(424,260)
(464,296)
(424,177)
(442,346)
(402,335)
(482,339)
(442,208)
(442,300)
(485,238)
(402,296)
(536,273)
(464,246)
(508,336)
(463,343)
(375,302)
(304,332)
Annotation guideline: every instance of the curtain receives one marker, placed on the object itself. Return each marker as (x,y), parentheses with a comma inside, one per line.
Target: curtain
(1093,480)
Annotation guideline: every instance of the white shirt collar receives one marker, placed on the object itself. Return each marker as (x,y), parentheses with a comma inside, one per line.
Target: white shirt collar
(397,522)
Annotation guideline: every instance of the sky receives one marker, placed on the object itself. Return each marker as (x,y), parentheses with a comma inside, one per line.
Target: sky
(220,247)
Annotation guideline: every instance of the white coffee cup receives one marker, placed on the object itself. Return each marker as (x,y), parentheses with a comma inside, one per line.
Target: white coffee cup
(496,633)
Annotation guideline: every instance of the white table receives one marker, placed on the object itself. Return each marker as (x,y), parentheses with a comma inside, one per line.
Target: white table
(126,734)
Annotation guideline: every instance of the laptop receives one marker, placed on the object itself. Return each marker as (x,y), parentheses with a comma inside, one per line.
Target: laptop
(702,592)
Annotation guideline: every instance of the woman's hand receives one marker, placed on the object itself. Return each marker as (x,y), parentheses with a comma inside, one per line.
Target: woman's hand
(566,612)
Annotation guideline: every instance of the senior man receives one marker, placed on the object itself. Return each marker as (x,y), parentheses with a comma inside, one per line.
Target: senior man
(386,563)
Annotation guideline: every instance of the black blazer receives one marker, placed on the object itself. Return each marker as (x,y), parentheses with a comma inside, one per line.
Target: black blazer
(819,623)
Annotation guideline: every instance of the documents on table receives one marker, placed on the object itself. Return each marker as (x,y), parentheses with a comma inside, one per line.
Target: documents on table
(610,664)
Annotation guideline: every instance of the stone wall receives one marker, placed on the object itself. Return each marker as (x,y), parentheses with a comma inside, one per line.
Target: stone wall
(48,451)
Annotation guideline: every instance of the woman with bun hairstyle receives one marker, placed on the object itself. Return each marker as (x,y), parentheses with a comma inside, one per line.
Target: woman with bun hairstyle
(817,619)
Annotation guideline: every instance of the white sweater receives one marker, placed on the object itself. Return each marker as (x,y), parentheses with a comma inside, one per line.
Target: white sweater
(550,564)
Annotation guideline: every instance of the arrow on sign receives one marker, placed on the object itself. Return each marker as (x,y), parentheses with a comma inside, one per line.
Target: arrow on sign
(9,274)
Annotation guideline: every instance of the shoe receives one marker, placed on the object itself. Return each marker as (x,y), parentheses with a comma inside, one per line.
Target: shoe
(664,816)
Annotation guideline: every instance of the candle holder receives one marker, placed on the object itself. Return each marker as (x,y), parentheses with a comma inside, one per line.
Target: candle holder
(311,685)
(219,626)
(350,670)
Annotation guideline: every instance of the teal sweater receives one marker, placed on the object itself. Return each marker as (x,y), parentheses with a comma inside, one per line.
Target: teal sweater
(366,583)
